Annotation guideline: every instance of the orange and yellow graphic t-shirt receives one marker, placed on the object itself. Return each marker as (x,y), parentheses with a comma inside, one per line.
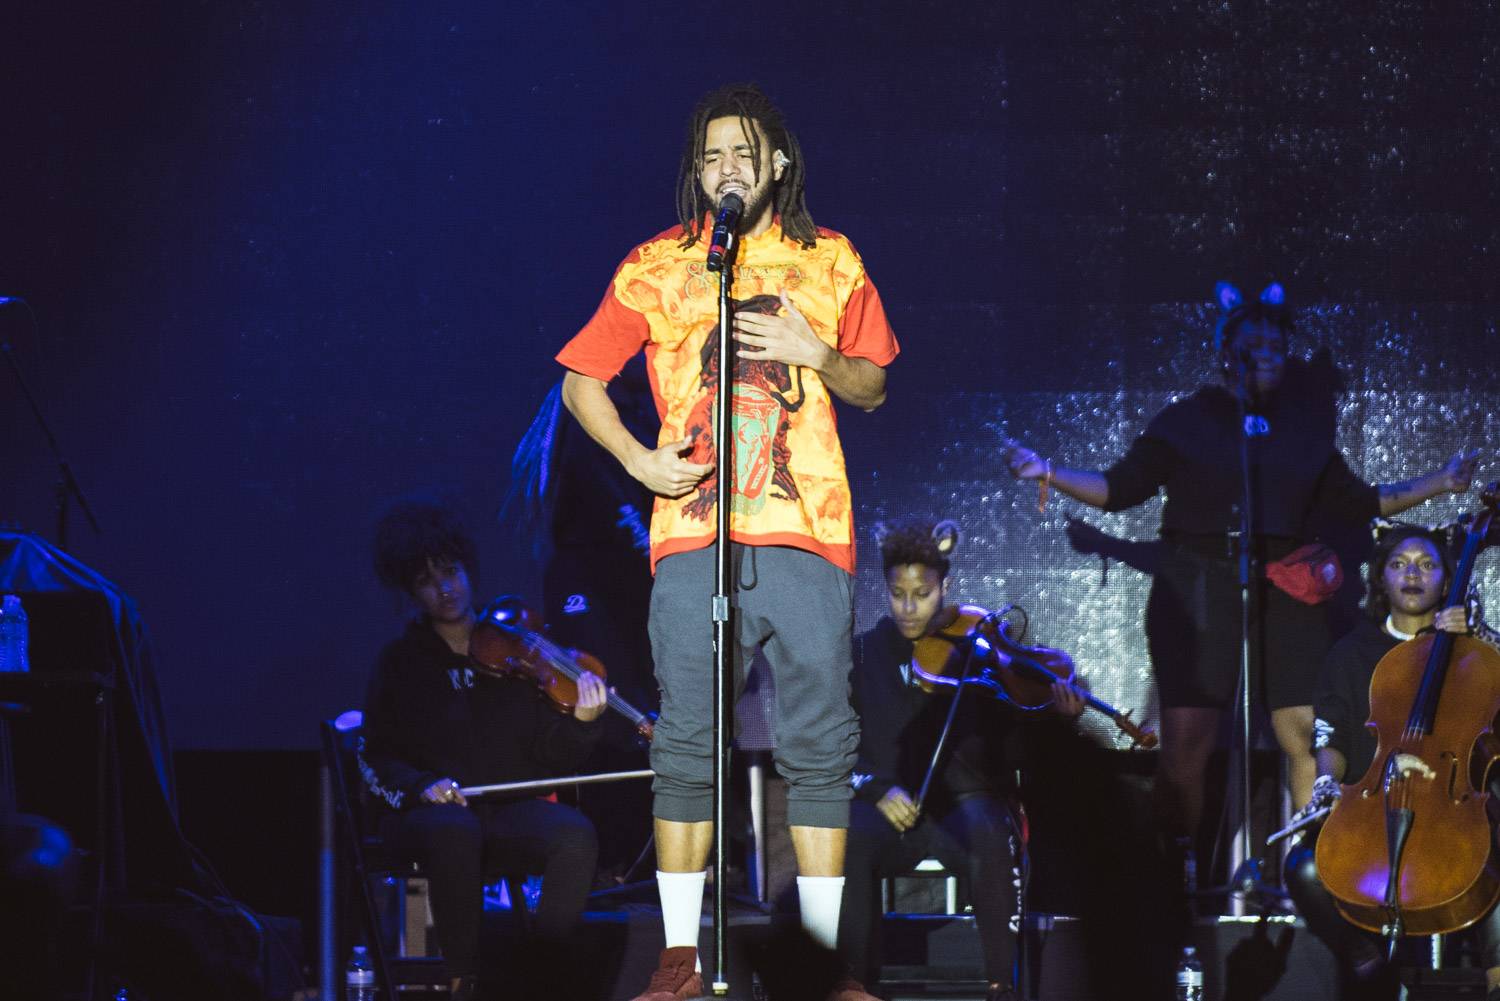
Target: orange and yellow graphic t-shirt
(790,487)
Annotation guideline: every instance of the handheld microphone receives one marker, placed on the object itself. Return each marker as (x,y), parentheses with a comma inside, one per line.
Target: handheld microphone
(728,221)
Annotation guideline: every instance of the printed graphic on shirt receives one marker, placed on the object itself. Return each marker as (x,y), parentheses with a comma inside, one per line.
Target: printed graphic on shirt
(765,394)
(393,797)
(630,520)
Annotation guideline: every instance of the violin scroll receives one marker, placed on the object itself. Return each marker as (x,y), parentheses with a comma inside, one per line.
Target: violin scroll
(1139,735)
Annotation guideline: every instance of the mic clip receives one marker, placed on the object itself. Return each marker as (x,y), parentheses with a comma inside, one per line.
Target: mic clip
(721,243)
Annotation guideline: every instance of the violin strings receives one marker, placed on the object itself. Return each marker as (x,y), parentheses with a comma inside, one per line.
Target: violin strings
(557,658)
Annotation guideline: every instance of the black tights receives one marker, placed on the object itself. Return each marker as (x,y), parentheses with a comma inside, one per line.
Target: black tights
(458,847)
(974,840)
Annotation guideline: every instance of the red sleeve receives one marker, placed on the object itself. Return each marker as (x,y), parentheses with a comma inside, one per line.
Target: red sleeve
(864,331)
(607,341)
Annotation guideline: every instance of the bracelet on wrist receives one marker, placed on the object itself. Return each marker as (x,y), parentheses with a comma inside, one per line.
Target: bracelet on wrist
(1043,487)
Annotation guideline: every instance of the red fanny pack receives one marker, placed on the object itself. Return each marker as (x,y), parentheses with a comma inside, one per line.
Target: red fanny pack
(1311,574)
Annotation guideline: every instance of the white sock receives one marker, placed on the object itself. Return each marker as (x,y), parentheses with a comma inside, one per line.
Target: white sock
(820,898)
(681,907)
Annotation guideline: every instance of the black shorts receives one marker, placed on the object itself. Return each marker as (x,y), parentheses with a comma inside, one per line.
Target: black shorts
(1193,633)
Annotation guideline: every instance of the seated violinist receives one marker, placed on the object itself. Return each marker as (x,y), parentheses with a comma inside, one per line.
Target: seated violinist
(434,724)
(1409,573)
(964,821)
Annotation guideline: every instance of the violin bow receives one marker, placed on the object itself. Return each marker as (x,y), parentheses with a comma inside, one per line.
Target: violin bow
(942,741)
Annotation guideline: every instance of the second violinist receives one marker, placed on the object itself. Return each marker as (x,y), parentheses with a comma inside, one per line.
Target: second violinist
(965,821)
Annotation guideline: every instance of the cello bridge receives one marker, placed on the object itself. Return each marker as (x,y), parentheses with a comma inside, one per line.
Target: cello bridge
(1408,764)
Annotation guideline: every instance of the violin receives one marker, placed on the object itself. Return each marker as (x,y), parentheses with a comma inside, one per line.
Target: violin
(1409,849)
(505,645)
(977,648)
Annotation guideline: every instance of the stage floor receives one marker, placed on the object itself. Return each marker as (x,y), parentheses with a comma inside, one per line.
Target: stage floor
(937,957)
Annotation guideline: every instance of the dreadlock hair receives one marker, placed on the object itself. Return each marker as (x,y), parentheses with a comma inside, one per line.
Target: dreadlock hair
(913,543)
(414,529)
(1386,542)
(762,122)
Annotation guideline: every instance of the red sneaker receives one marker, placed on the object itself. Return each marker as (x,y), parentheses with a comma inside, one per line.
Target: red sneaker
(674,979)
(849,989)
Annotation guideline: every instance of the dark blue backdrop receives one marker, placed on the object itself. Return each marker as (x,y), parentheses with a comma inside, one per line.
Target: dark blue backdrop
(289,259)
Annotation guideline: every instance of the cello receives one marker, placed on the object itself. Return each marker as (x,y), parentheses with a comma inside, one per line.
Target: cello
(1409,849)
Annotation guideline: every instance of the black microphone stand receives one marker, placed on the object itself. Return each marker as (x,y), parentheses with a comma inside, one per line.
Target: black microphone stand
(1246,868)
(722,612)
(67,484)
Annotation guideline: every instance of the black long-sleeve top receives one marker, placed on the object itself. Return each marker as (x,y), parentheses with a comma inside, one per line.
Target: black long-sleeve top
(429,715)
(1192,449)
(900,724)
(1342,705)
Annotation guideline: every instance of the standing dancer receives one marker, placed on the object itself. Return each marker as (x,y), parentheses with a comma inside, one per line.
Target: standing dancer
(1191,448)
(809,324)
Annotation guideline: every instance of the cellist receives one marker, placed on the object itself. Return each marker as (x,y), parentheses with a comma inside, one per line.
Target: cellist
(965,821)
(1408,580)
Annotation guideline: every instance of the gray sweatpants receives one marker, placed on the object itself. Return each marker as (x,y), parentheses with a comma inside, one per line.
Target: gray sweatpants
(799,607)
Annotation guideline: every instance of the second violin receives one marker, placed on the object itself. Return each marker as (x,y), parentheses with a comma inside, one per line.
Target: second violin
(982,648)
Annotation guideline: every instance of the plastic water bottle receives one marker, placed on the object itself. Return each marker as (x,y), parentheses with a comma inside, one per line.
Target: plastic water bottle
(1189,976)
(14,635)
(359,977)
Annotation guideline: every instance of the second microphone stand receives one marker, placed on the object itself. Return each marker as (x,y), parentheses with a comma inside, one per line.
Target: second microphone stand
(1244,866)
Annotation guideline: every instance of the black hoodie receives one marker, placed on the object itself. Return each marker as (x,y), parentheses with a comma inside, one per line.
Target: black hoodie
(900,725)
(429,715)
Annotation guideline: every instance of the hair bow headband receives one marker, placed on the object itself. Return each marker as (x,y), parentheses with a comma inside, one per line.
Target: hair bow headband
(1231,301)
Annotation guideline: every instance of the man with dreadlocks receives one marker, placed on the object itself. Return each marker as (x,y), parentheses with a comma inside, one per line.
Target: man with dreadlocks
(809,327)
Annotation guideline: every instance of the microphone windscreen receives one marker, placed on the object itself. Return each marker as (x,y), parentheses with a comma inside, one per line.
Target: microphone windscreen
(732,203)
